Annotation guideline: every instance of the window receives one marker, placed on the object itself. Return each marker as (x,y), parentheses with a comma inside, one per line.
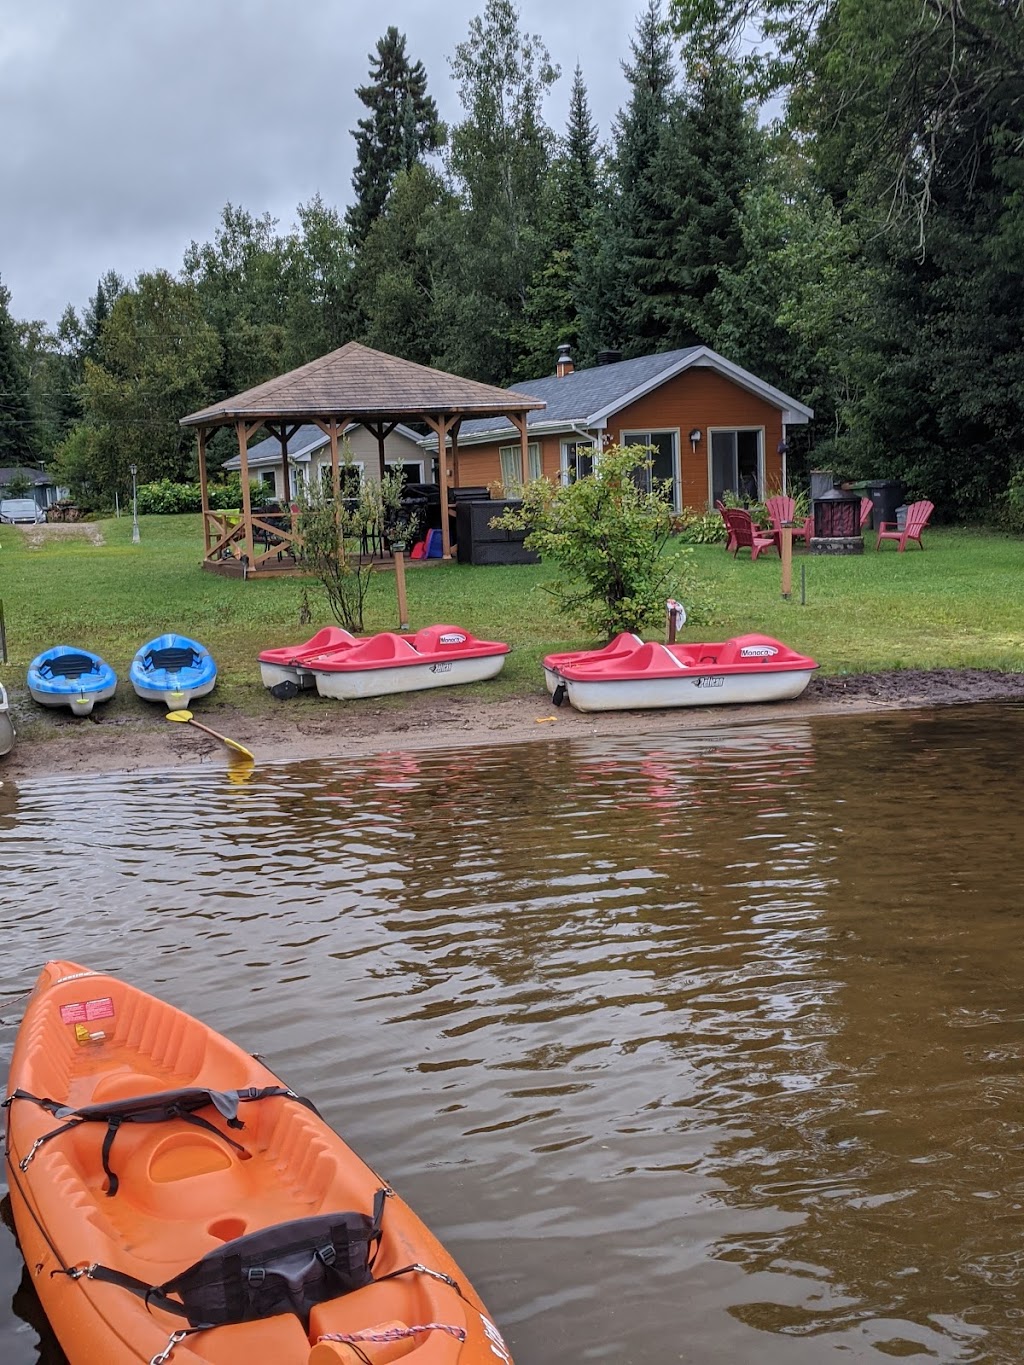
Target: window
(735,463)
(577,460)
(511,458)
(350,477)
(266,478)
(664,465)
(411,471)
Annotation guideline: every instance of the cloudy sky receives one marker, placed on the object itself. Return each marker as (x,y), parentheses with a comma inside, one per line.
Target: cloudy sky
(126,125)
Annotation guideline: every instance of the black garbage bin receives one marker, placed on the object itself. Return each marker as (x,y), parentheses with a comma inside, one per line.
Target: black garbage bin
(886,495)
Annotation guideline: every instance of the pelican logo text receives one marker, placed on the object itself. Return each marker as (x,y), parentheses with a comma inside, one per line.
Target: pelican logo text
(709,682)
(440,668)
(495,1341)
(451,639)
(758,652)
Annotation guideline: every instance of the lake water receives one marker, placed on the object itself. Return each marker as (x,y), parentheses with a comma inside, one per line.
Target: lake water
(704,1048)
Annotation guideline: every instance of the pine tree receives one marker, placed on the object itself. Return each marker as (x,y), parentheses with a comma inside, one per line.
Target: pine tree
(629,262)
(17,427)
(401,127)
(713,160)
(551,311)
(487,252)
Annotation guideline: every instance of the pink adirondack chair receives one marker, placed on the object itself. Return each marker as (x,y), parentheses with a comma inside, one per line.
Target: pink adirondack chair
(747,533)
(730,538)
(917,519)
(866,508)
(781,512)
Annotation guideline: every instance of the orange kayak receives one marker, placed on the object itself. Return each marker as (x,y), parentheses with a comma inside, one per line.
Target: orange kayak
(176,1203)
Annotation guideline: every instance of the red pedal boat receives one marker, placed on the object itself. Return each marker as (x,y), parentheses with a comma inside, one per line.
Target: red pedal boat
(631,675)
(437,656)
(287,664)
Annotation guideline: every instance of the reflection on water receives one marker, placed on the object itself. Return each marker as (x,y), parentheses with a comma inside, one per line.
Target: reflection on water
(704,1048)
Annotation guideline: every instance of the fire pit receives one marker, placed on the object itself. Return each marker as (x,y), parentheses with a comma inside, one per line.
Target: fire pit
(837,524)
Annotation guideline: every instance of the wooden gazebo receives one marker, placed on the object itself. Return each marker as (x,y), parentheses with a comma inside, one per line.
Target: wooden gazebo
(353,384)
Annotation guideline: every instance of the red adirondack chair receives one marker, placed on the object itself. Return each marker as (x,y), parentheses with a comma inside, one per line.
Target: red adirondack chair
(747,533)
(917,519)
(866,508)
(782,511)
(730,539)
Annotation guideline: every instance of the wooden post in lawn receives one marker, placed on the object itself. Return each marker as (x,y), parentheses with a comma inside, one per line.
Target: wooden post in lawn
(403,606)
(786,551)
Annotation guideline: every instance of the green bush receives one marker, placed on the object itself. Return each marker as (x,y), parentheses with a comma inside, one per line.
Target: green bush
(1012,505)
(607,535)
(699,528)
(166,498)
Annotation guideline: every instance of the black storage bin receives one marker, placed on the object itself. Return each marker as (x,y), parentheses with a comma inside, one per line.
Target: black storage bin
(886,495)
(481,543)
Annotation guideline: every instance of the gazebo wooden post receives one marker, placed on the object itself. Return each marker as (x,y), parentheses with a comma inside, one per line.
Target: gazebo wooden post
(283,437)
(456,428)
(204,495)
(243,432)
(441,425)
(332,432)
(519,422)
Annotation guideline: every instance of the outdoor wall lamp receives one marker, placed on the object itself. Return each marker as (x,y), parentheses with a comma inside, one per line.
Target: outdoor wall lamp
(695,437)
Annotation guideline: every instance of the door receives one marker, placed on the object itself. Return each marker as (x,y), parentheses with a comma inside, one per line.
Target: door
(736,463)
(725,474)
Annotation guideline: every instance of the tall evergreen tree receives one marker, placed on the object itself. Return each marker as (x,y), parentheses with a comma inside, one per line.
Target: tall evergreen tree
(630,260)
(17,425)
(488,251)
(393,276)
(551,310)
(710,152)
(401,127)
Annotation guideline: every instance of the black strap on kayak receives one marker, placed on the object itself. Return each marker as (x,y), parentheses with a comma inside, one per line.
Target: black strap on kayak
(160,1107)
(289,1267)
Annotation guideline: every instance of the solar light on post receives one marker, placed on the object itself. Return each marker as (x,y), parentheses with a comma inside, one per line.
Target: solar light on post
(135,507)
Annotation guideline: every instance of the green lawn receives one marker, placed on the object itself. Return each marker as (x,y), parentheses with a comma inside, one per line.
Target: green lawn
(957,604)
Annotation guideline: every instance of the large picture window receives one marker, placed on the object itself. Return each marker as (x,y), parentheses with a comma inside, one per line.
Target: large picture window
(511,458)
(350,476)
(664,465)
(577,460)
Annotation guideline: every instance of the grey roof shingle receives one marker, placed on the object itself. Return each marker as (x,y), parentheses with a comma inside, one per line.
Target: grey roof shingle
(578,396)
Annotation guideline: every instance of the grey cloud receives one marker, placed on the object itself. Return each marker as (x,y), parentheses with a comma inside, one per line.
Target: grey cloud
(125,126)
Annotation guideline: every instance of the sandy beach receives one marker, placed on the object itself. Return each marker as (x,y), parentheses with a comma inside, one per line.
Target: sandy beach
(310,728)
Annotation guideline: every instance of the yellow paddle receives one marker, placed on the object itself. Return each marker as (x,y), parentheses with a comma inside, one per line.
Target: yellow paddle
(186,718)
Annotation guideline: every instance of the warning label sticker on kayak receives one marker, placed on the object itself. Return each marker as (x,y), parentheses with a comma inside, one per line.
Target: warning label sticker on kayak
(85,1011)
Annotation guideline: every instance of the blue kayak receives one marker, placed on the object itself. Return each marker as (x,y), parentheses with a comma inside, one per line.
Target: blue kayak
(173,669)
(65,676)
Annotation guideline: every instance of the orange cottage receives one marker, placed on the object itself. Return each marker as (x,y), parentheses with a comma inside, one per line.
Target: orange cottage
(714,426)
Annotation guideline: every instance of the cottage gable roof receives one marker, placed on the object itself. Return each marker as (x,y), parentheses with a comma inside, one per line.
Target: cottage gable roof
(358,382)
(303,443)
(587,398)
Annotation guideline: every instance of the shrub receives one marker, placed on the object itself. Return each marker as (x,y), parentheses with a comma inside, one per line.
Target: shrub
(166,498)
(1012,504)
(608,535)
(699,528)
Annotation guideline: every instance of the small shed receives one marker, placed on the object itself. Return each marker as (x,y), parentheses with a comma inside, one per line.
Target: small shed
(354,384)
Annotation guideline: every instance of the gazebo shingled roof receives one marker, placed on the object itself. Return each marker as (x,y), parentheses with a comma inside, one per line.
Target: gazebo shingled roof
(358,382)
(352,384)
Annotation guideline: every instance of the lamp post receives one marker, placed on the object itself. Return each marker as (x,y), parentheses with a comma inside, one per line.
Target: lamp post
(135,507)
